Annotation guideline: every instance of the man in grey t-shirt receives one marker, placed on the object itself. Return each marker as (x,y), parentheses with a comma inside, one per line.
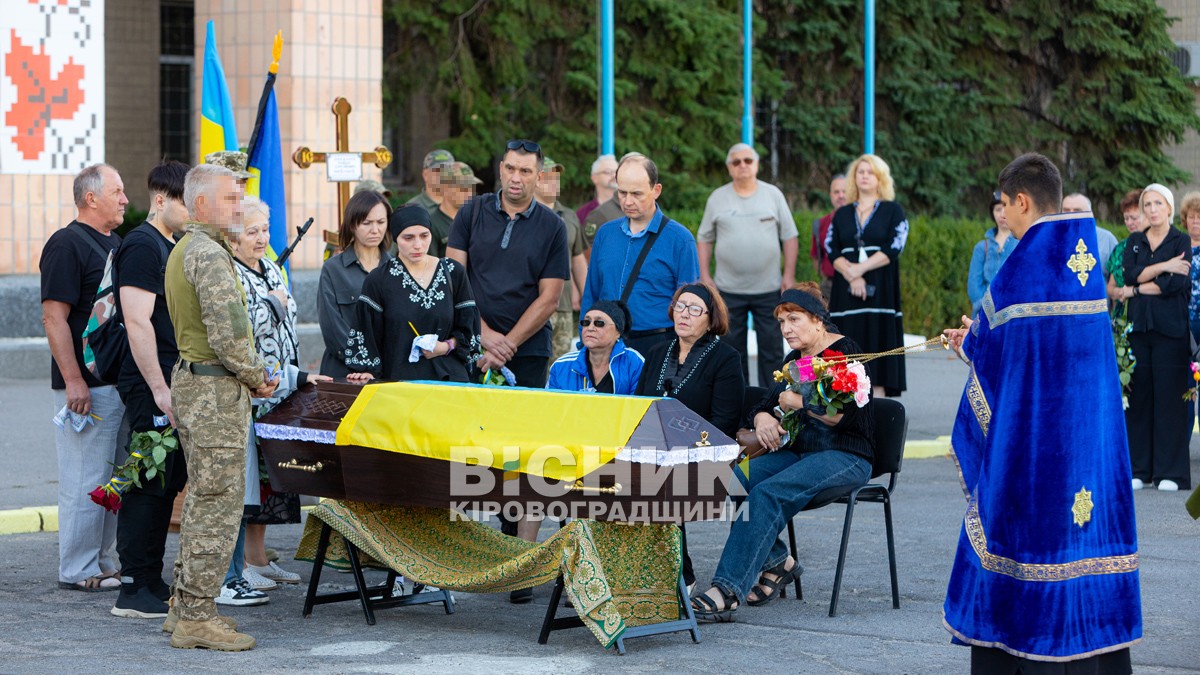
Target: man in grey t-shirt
(754,226)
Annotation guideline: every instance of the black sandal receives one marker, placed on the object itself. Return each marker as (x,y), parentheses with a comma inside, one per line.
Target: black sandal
(768,589)
(706,609)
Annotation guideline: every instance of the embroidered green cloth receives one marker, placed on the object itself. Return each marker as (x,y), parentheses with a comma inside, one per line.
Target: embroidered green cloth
(615,575)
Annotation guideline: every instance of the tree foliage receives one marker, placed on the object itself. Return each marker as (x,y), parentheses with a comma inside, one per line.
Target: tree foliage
(962,87)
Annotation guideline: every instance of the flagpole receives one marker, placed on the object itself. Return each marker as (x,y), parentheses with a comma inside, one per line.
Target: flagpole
(272,71)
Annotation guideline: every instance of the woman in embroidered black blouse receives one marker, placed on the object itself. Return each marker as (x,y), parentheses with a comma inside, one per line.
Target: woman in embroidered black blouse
(414,294)
(1157,274)
(697,368)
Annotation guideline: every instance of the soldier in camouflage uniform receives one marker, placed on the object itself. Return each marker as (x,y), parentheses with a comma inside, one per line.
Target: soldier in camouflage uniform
(211,385)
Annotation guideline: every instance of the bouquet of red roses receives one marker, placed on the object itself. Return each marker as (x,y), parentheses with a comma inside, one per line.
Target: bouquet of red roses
(147,450)
(827,382)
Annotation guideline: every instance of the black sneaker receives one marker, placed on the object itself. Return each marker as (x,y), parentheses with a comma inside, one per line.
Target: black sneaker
(138,602)
(239,594)
(520,597)
(160,589)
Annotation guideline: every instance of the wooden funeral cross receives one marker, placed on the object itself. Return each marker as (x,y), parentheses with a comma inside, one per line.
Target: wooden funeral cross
(304,158)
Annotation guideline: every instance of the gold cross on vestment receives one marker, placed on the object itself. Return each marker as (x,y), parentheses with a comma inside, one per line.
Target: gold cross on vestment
(304,158)
(1081,263)
(1083,507)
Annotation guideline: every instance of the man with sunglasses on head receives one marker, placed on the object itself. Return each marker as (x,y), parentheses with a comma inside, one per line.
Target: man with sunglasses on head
(642,257)
(753,224)
(515,252)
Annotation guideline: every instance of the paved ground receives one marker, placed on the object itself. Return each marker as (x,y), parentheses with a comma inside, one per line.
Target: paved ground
(43,629)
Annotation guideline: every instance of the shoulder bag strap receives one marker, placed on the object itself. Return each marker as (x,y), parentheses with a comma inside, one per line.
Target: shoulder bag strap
(637,265)
(79,232)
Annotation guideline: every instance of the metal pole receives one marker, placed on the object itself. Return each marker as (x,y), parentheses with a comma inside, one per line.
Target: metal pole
(607,100)
(869,79)
(747,73)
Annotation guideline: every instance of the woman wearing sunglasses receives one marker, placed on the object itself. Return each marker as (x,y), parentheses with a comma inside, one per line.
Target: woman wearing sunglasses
(697,368)
(604,364)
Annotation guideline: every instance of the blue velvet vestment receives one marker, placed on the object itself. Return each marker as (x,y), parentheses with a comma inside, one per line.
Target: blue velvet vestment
(1039,437)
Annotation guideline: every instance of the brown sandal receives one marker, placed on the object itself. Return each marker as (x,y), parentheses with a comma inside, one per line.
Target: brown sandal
(93,584)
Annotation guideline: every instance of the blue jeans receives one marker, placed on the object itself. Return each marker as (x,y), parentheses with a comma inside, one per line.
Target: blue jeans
(239,556)
(780,485)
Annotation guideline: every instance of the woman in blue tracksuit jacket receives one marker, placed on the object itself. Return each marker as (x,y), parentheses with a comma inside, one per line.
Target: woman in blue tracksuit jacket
(989,254)
(604,364)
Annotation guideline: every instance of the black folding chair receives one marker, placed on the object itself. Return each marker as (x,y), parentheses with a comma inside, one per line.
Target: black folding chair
(891,429)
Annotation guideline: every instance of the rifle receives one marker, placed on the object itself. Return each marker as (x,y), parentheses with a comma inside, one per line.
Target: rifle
(283,256)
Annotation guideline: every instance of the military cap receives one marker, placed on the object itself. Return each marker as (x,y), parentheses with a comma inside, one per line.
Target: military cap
(372,185)
(436,158)
(230,159)
(458,173)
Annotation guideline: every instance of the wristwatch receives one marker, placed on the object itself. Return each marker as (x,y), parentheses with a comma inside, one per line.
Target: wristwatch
(1137,291)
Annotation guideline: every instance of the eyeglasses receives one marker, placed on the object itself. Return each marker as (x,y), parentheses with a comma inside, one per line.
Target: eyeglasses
(745,160)
(694,310)
(527,146)
(599,323)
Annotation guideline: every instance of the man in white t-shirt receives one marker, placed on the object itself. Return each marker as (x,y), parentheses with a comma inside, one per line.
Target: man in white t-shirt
(752,223)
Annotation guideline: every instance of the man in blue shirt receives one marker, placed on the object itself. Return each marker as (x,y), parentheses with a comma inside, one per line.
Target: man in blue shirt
(670,262)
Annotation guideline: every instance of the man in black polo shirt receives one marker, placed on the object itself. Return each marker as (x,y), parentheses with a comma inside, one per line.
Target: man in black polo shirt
(515,252)
(145,388)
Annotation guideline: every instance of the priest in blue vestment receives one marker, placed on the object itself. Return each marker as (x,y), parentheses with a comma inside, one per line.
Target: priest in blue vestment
(1047,563)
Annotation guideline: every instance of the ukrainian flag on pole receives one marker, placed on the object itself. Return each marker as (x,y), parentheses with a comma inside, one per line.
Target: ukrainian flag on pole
(217,129)
(265,161)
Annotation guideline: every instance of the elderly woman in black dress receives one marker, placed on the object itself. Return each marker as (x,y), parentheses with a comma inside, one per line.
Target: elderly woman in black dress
(416,318)
(697,368)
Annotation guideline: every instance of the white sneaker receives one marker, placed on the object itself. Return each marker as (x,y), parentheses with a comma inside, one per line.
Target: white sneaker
(274,572)
(1168,486)
(1138,484)
(239,594)
(257,581)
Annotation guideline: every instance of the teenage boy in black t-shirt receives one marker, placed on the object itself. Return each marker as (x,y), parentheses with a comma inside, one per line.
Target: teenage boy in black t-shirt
(145,388)
(72,265)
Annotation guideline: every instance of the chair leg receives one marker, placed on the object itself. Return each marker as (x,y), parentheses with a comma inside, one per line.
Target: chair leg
(891,543)
(837,578)
(791,528)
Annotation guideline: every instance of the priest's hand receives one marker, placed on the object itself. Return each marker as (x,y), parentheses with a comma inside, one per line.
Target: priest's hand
(768,430)
(958,335)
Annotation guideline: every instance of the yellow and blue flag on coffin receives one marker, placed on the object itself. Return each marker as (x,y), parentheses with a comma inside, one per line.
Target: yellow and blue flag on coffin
(217,129)
(265,160)
(557,435)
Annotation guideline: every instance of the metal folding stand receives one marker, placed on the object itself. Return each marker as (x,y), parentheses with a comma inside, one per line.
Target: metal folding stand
(688,622)
(371,597)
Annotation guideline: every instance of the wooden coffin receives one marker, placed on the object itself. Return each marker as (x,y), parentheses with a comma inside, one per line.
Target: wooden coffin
(648,482)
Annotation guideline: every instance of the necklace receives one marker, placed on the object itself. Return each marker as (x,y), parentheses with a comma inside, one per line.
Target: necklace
(662,372)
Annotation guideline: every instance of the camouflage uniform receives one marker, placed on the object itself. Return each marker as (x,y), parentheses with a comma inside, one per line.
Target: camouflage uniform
(212,410)
(564,319)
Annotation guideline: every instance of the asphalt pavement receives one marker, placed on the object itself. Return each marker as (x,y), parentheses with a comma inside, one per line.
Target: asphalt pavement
(44,629)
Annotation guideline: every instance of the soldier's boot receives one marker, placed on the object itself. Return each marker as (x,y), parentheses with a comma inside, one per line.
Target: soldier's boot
(211,634)
(172,619)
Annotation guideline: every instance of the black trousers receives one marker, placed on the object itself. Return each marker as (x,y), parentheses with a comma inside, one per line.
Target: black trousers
(530,371)
(770,340)
(1159,420)
(145,514)
(992,661)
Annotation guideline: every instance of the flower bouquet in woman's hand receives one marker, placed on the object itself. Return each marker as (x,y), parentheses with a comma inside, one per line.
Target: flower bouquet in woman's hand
(827,382)
(147,450)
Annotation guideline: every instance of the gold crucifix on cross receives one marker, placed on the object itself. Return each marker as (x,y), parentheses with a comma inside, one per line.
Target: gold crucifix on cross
(339,169)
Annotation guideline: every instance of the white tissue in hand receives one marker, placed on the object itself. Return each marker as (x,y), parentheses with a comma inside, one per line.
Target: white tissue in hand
(426,342)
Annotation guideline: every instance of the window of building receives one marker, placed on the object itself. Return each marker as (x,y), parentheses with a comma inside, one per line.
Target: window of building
(177,60)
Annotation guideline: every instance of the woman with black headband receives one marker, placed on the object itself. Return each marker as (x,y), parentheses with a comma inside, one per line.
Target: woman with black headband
(603,364)
(697,368)
(827,452)
(416,317)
